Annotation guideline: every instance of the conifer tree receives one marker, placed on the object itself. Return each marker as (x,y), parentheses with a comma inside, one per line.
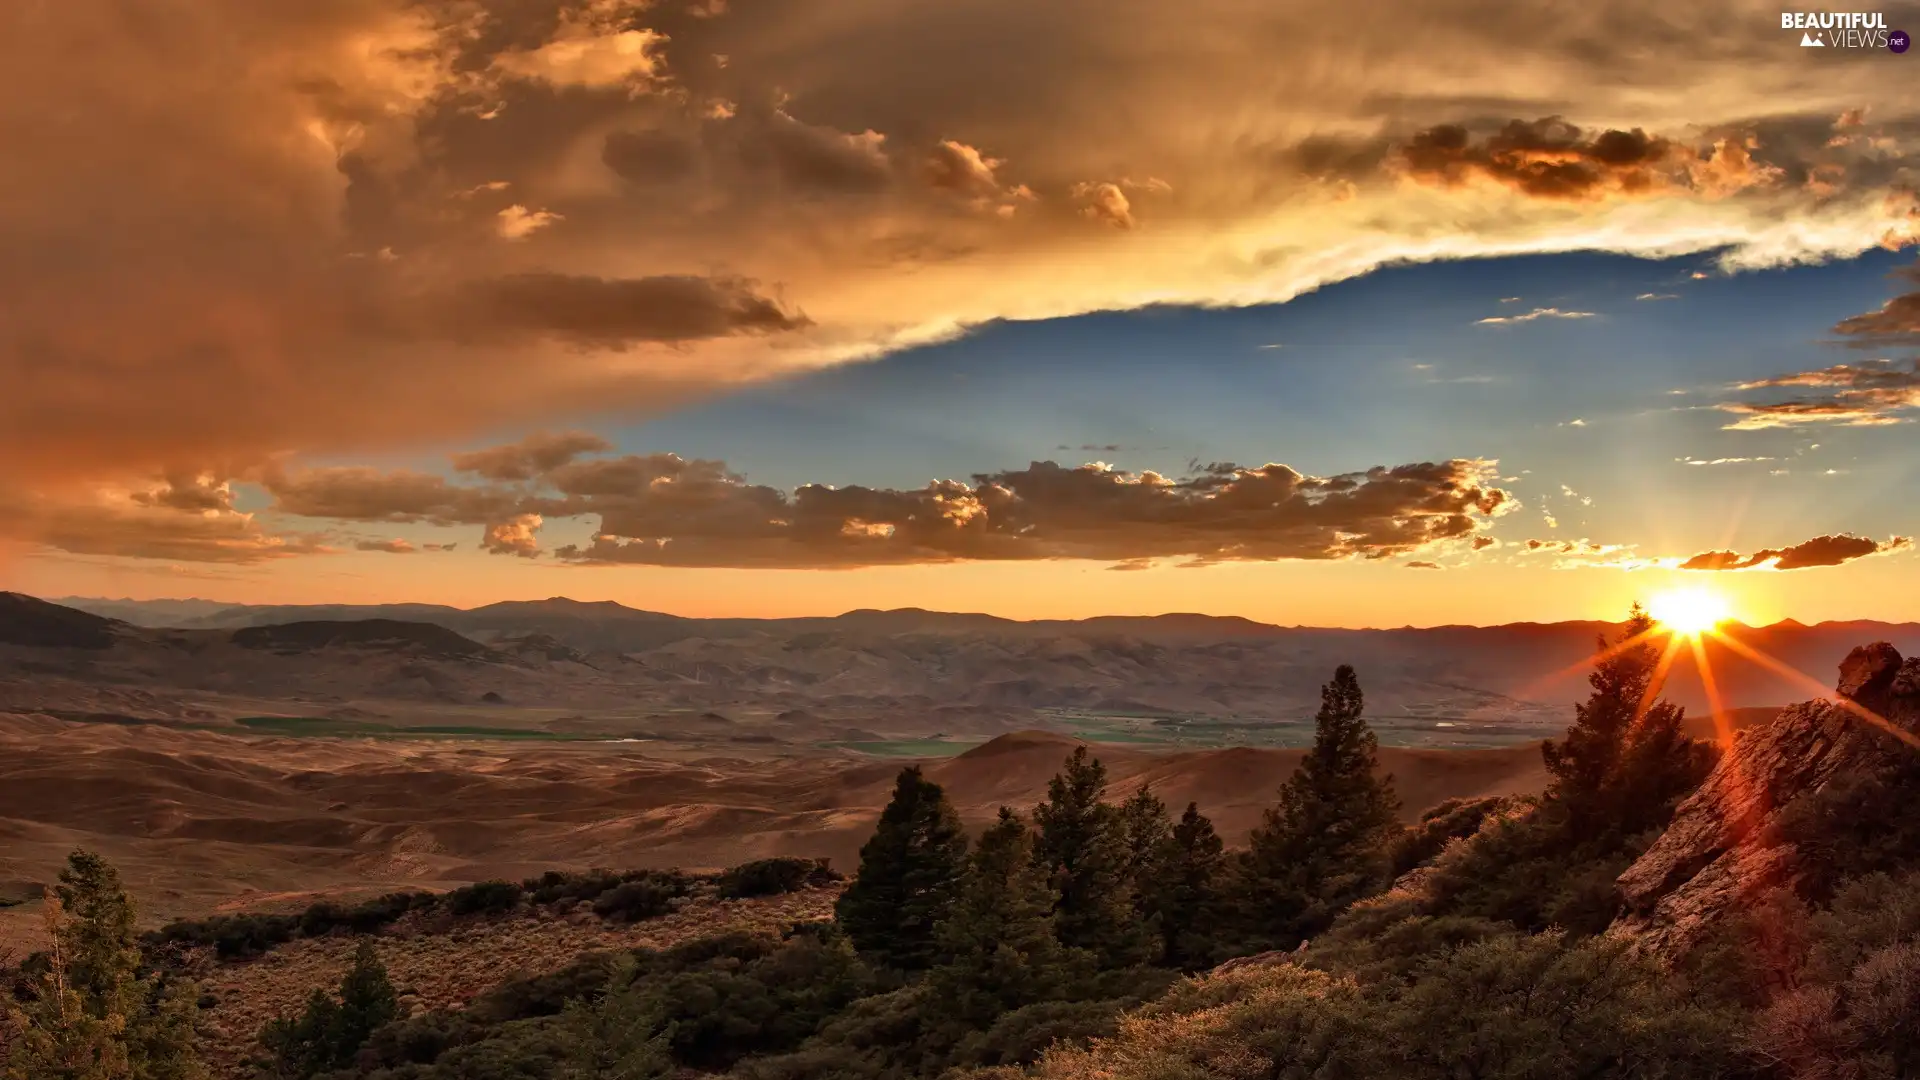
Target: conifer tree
(1144,827)
(910,871)
(93,1014)
(998,939)
(332,1030)
(1183,900)
(1323,846)
(1625,759)
(1081,847)
(624,1034)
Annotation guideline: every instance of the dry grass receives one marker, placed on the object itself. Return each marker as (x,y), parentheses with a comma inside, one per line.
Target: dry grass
(448,966)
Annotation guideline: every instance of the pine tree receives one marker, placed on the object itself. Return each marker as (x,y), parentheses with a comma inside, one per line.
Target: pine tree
(93,1014)
(910,871)
(1184,899)
(1625,759)
(367,1001)
(998,939)
(1323,846)
(1144,827)
(331,1031)
(624,1034)
(1081,847)
(54,1033)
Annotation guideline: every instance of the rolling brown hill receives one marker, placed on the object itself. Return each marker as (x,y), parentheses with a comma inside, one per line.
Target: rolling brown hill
(199,820)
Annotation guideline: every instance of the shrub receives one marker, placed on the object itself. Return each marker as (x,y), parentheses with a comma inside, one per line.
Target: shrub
(642,898)
(484,898)
(1455,819)
(231,936)
(1855,1013)
(771,877)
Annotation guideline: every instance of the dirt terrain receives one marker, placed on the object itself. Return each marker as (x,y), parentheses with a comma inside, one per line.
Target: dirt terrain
(270,763)
(200,820)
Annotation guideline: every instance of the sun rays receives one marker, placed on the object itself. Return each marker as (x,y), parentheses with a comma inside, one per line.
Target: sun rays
(1690,620)
(1690,612)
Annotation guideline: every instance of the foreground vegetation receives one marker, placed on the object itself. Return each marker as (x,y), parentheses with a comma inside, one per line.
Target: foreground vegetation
(1059,943)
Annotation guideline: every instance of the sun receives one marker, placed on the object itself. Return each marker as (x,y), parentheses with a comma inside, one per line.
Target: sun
(1691,612)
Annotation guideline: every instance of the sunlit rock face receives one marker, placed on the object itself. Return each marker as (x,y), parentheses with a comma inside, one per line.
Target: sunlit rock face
(1722,849)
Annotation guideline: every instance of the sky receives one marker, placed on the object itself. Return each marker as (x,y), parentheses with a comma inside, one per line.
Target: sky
(756,308)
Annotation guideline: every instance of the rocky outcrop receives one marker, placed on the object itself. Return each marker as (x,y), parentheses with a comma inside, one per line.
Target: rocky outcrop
(1721,851)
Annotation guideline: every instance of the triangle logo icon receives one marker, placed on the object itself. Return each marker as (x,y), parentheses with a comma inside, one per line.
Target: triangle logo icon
(1809,41)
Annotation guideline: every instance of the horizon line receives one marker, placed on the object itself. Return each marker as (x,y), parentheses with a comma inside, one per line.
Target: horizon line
(960,614)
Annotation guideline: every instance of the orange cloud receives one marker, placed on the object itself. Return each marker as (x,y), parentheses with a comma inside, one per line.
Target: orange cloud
(666,510)
(1819,551)
(277,229)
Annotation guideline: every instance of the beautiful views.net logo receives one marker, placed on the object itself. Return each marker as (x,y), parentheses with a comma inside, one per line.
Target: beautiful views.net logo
(1844,30)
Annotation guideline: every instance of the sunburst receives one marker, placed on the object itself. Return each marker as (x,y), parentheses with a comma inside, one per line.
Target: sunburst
(1690,612)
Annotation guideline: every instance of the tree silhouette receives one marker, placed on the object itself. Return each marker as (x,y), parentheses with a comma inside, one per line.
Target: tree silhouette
(1082,849)
(1323,846)
(910,871)
(1183,896)
(999,943)
(1625,759)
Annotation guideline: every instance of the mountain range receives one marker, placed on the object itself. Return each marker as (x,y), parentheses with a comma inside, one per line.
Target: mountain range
(868,674)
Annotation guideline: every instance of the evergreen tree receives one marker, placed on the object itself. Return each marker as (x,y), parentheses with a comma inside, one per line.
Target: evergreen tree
(330,1032)
(1625,760)
(624,1034)
(910,870)
(1324,845)
(1144,828)
(93,1014)
(1183,899)
(998,939)
(1082,849)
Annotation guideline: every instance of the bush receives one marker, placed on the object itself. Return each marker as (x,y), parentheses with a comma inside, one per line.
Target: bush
(1454,819)
(231,936)
(771,877)
(1857,1007)
(643,898)
(709,1003)
(1510,1008)
(1857,825)
(236,936)
(484,898)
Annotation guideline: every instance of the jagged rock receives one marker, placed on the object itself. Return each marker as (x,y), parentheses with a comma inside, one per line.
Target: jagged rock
(1867,671)
(1721,851)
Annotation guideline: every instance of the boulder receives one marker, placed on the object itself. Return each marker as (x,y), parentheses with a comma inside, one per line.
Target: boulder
(1721,851)
(1868,670)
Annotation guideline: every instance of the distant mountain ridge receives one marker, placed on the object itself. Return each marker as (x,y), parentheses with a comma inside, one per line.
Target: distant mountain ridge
(911,659)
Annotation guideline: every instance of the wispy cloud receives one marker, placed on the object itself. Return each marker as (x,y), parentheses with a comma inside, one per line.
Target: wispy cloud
(1875,393)
(1536,313)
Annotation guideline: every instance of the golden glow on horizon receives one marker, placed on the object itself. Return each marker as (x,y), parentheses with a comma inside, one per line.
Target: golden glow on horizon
(1690,612)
